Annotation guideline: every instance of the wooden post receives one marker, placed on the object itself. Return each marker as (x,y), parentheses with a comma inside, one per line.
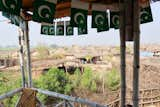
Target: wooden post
(26,32)
(21,57)
(123,53)
(136,33)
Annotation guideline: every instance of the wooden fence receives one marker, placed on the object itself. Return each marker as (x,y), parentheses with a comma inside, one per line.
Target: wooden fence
(147,98)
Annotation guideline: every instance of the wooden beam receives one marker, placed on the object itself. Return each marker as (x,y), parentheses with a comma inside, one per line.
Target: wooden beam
(136,33)
(123,53)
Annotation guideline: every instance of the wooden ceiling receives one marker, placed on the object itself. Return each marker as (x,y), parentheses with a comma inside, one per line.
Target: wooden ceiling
(63,6)
(101,1)
(29,3)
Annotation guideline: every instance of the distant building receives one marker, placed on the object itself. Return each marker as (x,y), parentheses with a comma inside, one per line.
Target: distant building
(6,62)
(69,57)
(156,53)
(70,66)
(90,60)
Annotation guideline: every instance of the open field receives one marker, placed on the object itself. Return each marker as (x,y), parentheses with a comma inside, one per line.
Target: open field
(106,59)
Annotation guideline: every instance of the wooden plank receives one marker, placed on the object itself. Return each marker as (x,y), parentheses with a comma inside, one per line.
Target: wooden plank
(149,102)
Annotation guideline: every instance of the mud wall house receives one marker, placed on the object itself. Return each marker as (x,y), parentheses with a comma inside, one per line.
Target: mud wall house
(82,60)
(70,66)
(96,59)
(69,57)
(1,62)
(5,62)
(89,60)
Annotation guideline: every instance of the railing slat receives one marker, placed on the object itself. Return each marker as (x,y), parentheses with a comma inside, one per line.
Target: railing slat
(10,94)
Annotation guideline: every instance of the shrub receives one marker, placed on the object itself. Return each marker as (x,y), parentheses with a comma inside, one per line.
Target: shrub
(75,78)
(87,80)
(7,85)
(113,79)
(54,80)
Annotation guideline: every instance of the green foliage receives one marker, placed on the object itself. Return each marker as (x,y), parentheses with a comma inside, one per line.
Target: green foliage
(54,80)
(85,80)
(88,57)
(43,51)
(7,85)
(75,78)
(113,80)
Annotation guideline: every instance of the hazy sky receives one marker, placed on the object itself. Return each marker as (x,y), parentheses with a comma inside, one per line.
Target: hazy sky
(150,33)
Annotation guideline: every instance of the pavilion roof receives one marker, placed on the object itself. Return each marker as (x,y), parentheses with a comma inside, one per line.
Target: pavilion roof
(63,6)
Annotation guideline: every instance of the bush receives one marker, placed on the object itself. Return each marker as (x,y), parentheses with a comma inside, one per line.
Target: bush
(113,80)
(87,80)
(7,85)
(75,78)
(54,80)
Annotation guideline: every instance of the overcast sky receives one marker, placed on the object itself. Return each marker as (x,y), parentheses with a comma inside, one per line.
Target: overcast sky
(150,33)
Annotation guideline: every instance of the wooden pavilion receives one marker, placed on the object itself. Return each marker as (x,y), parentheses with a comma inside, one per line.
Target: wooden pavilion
(129,26)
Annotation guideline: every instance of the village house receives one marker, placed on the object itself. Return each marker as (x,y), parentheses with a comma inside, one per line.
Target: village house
(6,62)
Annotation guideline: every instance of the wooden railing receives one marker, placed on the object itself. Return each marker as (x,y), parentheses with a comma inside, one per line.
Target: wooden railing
(68,100)
(147,97)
